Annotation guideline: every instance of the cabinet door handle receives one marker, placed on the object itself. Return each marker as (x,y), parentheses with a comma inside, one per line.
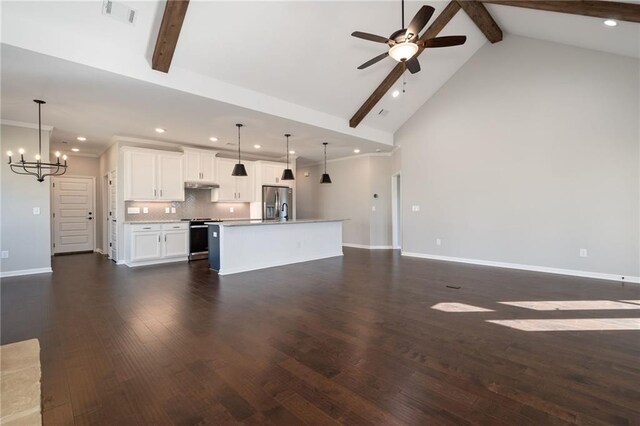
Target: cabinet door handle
(158,238)
(155,193)
(146,227)
(161,192)
(165,238)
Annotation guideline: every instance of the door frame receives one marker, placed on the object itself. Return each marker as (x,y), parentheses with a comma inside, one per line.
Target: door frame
(93,208)
(105,215)
(396,211)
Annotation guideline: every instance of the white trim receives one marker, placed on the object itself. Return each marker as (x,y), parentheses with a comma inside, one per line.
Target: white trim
(367,247)
(25,124)
(230,271)
(99,251)
(154,262)
(25,272)
(545,269)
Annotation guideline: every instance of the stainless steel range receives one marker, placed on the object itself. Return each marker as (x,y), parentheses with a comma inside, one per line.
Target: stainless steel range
(198,238)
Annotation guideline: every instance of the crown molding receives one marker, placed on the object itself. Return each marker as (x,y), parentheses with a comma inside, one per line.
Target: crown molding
(26,125)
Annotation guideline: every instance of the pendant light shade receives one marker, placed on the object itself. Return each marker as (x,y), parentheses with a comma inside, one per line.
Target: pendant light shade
(325,176)
(287,174)
(239,169)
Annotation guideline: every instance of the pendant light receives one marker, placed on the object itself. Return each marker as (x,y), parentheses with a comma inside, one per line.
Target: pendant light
(325,175)
(287,174)
(239,169)
(38,168)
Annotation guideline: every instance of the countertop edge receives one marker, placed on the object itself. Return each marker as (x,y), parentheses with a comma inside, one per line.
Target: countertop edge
(275,222)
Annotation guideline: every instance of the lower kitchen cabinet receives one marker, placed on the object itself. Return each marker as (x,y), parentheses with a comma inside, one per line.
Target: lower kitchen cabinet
(152,243)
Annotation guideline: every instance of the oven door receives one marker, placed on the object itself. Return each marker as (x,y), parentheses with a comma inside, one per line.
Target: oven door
(198,242)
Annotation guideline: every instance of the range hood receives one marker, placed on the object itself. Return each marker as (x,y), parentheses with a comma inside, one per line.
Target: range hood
(200,185)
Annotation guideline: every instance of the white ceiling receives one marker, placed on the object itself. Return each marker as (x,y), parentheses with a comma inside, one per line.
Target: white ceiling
(84,101)
(274,65)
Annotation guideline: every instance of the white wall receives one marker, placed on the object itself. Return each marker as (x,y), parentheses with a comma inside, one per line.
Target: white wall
(350,196)
(529,153)
(24,235)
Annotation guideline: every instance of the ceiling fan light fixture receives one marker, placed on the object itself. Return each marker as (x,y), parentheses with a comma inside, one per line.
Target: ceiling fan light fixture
(404,51)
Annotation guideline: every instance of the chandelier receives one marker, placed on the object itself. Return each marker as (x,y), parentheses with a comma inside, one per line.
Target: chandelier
(38,168)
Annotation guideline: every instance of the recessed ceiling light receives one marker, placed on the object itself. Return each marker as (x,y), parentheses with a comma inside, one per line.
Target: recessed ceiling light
(611,22)
(257,146)
(160,130)
(356,151)
(213,139)
(75,149)
(395,93)
(81,138)
(292,152)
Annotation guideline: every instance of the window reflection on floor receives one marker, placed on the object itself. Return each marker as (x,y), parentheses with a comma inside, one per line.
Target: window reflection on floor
(459,307)
(582,324)
(573,305)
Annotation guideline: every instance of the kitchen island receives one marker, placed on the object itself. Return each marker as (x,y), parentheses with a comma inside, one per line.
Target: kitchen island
(255,244)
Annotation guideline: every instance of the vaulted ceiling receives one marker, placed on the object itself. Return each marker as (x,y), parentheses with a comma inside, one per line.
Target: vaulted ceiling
(293,61)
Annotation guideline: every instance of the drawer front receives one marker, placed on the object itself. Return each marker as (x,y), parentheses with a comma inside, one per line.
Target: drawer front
(173,226)
(143,227)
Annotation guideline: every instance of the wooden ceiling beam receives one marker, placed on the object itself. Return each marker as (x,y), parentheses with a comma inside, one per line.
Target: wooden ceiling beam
(483,19)
(174,13)
(598,9)
(441,21)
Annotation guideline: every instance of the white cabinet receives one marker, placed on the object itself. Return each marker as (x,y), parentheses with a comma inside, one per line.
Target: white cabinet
(156,243)
(271,174)
(152,175)
(140,175)
(233,188)
(200,166)
(170,184)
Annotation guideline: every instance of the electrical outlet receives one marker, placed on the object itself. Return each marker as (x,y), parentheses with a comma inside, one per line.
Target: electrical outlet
(173,209)
(438,242)
(415,208)
(373,208)
(583,252)
(133,210)
(4,254)
(231,209)
(167,209)
(36,210)
(145,210)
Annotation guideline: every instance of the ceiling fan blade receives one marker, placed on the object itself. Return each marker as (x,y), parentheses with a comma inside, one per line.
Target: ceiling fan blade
(420,20)
(413,65)
(446,41)
(373,61)
(370,37)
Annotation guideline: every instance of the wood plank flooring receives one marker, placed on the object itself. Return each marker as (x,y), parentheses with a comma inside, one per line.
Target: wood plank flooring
(349,340)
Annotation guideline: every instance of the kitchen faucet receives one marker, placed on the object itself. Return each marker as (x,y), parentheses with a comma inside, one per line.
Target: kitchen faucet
(285,205)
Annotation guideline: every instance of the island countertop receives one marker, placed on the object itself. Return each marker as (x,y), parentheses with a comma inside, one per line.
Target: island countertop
(272,222)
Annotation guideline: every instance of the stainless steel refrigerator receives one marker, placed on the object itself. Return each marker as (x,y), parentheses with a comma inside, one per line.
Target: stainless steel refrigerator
(277,203)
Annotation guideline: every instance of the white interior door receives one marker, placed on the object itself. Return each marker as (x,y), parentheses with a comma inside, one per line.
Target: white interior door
(73,214)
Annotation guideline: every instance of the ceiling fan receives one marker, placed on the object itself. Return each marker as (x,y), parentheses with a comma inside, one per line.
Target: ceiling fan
(405,43)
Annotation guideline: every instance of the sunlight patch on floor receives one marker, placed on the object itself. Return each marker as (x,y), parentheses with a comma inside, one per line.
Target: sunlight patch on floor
(582,324)
(573,305)
(458,307)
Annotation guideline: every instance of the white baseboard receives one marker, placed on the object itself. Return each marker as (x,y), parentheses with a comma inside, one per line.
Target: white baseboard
(229,271)
(364,246)
(153,262)
(7,274)
(585,274)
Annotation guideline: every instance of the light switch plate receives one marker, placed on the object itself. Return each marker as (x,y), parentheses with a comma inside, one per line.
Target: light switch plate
(583,252)
(133,210)
(373,208)
(145,210)
(4,254)
(36,210)
(173,209)
(231,209)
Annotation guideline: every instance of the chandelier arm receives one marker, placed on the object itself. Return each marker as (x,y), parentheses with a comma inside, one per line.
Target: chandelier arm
(16,171)
(56,172)
(27,172)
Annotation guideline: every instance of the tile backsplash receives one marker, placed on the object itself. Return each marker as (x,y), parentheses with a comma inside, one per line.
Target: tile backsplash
(197,203)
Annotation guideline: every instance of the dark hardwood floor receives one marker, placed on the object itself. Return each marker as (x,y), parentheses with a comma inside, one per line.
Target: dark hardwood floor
(348,340)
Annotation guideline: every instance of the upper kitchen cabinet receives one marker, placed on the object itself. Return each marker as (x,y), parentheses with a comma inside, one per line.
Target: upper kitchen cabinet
(232,188)
(152,175)
(200,166)
(270,173)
